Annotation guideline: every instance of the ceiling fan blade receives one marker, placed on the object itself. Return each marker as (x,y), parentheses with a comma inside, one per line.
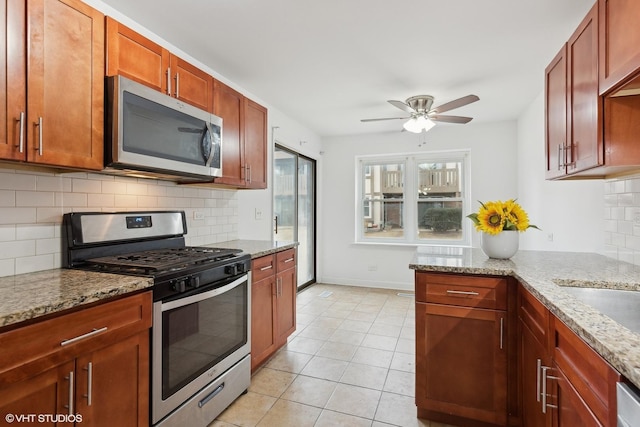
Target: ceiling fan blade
(451,119)
(385,118)
(456,103)
(401,105)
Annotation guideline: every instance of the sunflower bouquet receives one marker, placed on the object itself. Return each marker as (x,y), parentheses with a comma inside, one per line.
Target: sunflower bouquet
(494,217)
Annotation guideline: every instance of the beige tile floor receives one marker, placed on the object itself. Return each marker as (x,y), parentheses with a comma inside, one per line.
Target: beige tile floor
(349,363)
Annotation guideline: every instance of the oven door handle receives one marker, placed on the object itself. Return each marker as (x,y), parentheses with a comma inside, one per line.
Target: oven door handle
(203,295)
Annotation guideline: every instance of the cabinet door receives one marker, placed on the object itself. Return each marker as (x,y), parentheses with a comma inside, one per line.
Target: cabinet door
(571,409)
(556,115)
(255,144)
(133,56)
(585,105)
(619,37)
(263,312)
(66,83)
(190,84)
(13,79)
(113,384)
(286,304)
(46,393)
(533,356)
(461,362)
(228,104)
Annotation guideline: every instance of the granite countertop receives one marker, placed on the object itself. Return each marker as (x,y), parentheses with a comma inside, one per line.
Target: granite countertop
(31,295)
(540,272)
(256,248)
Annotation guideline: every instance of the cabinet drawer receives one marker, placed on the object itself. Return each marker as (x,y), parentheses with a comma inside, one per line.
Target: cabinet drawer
(286,259)
(466,291)
(533,314)
(62,338)
(263,267)
(591,376)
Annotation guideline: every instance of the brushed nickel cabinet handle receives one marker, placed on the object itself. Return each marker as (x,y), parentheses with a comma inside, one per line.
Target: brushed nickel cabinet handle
(268,267)
(70,406)
(560,162)
(81,337)
(177,84)
(538,369)
(288,260)
(169,81)
(21,132)
(546,377)
(501,332)
(449,291)
(39,147)
(89,394)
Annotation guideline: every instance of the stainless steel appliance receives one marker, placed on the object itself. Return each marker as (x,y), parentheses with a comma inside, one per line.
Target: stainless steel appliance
(148,133)
(628,398)
(200,341)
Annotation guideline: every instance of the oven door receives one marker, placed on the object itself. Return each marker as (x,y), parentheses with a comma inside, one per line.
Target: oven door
(196,339)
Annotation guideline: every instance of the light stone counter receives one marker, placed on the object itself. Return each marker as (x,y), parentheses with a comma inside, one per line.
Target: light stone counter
(27,296)
(538,271)
(256,248)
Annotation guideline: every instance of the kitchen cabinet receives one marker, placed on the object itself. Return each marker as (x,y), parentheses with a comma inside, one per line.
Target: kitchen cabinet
(273,304)
(244,157)
(53,83)
(574,109)
(93,362)
(534,356)
(131,55)
(564,382)
(619,41)
(463,349)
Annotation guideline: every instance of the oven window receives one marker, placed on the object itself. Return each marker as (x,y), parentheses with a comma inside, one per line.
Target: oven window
(197,336)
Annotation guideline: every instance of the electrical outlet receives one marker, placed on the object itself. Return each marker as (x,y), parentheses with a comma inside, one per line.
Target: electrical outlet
(258,213)
(373,268)
(550,237)
(198,215)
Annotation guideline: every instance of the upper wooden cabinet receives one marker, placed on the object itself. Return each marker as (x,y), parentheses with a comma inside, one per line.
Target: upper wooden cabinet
(573,111)
(53,83)
(244,138)
(131,55)
(619,42)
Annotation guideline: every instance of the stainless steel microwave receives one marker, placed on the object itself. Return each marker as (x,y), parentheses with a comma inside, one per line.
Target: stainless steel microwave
(150,134)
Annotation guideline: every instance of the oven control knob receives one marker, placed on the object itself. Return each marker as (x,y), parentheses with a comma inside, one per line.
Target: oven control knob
(194,282)
(231,269)
(180,285)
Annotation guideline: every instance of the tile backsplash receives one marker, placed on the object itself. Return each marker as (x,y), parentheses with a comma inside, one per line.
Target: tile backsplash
(32,202)
(622,219)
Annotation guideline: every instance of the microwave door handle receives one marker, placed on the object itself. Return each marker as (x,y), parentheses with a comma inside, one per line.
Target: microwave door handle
(211,150)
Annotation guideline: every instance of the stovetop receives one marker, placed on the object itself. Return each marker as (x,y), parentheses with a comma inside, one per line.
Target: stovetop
(154,262)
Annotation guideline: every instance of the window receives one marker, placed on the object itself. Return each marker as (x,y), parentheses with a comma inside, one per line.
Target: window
(415,199)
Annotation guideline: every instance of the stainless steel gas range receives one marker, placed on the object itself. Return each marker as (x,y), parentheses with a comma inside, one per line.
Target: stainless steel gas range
(200,341)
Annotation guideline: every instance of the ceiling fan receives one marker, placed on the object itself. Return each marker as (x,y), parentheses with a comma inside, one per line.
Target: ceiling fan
(423,117)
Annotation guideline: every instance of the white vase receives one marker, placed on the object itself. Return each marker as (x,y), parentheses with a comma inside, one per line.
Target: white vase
(503,245)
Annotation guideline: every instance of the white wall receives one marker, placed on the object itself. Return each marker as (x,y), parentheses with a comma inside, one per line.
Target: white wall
(573,211)
(493,176)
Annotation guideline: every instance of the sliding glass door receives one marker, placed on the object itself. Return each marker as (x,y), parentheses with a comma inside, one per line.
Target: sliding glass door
(294,208)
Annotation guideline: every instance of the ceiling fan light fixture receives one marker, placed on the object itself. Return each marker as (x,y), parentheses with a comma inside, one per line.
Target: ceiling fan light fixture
(418,124)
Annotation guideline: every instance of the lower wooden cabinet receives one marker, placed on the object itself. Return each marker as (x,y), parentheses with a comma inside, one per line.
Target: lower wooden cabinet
(273,304)
(98,378)
(462,349)
(564,382)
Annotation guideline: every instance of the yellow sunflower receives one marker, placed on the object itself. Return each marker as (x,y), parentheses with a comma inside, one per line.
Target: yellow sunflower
(491,217)
(517,216)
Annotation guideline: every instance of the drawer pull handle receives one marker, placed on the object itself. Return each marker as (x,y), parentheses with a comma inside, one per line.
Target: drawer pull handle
(501,332)
(70,406)
(288,260)
(89,394)
(268,267)
(538,369)
(81,337)
(211,395)
(449,291)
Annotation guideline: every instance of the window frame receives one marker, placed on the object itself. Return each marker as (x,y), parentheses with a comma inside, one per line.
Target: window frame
(410,199)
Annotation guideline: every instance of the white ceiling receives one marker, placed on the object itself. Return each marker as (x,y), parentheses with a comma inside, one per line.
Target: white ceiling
(328,64)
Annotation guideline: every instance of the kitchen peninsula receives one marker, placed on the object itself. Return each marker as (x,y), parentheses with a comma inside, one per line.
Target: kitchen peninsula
(532,285)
